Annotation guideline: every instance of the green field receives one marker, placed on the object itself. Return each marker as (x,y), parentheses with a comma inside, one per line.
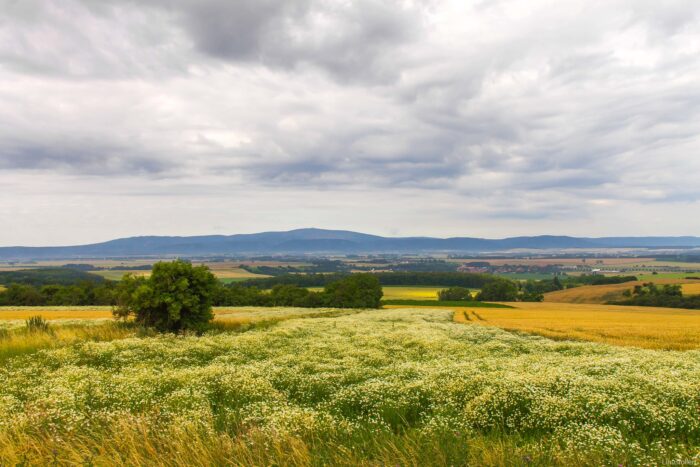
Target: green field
(647,276)
(382,387)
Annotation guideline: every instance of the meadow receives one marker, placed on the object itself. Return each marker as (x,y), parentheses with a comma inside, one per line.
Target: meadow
(351,387)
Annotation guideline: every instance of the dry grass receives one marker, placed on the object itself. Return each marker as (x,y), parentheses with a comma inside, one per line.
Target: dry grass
(20,341)
(134,440)
(605,293)
(52,313)
(55,312)
(645,327)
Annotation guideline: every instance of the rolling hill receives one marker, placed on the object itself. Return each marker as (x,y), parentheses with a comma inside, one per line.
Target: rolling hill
(302,241)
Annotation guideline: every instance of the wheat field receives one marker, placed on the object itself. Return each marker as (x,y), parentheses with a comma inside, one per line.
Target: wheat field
(611,292)
(643,327)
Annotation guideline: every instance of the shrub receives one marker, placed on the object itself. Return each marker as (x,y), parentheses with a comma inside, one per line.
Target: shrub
(454,294)
(500,290)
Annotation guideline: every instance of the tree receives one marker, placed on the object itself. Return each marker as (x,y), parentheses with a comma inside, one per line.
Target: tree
(355,291)
(501,290)
(177,296)
(454,294)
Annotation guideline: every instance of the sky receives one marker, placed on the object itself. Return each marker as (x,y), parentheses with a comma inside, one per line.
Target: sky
(488,118)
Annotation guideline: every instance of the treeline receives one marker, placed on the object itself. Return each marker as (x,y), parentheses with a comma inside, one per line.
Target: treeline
(48,276)
(556,283)
(354,291)
(317,266)
(595,279)
(461,279)
(81,294)
(649,294)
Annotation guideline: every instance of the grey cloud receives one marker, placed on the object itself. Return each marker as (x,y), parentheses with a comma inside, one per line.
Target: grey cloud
(514,106)
(350,40)
(87,159)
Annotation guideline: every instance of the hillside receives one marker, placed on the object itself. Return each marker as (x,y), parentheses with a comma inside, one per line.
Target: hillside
(605,293)
(303,241)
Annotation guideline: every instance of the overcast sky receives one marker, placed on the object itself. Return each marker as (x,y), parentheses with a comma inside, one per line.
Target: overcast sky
(487,118)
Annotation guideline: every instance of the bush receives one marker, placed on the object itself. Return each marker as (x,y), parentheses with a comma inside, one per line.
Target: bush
(454,294)
(176,297)
(356,291)
(500,290)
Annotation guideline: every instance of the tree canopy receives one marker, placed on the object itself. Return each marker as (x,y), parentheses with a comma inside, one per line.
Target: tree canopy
(177,296)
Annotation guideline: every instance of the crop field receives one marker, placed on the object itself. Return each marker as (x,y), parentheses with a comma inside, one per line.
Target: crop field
(351,387)
(644,327)
(592,261)
(610,292)
(398,292)
(226,274)
(691,289)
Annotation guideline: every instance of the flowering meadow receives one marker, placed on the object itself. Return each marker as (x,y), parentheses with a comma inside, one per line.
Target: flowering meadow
(379,387)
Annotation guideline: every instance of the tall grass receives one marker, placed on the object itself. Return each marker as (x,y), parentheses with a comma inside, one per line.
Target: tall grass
(38,335)
(137,442)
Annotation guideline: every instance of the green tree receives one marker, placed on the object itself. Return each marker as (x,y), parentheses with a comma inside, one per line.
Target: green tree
(500,290)
(355,291)
(177,296)
(454,294)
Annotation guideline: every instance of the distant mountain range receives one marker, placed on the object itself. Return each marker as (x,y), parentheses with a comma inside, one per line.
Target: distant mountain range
(319,241)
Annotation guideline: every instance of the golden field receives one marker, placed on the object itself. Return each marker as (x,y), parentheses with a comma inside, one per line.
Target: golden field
(691,288)
(645,327)
(410,293)
(610,292)
(398,292)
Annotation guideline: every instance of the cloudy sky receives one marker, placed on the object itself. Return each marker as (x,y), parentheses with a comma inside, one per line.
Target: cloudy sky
(478,118)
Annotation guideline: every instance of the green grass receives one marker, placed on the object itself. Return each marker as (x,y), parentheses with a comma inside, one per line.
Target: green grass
(473,304)
(647,276)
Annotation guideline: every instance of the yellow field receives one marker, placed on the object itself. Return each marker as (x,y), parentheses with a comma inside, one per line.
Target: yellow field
(646,327)
(52,313)
(411,293)
(399,292)
(691,289)
(605,293)
(55,312)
